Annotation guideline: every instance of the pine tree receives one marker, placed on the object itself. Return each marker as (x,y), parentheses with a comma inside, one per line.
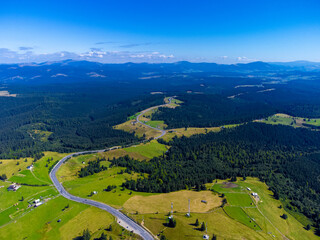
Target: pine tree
(86,234)
(103,237)
(197,223)
(203,227)
(172,223)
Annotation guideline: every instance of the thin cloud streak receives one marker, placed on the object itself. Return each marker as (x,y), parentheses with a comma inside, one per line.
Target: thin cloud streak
(25,48)
(135,45)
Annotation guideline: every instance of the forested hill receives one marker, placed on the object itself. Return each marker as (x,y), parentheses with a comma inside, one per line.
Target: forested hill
(284,157)
(198,110)
(64,122)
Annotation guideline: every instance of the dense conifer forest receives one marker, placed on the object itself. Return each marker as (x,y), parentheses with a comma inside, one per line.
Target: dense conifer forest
(212,110)
(71,121)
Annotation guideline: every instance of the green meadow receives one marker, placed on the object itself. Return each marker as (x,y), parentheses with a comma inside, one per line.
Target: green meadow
(149,150)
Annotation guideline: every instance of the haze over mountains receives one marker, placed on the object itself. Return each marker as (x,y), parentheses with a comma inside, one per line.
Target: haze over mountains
(59,71)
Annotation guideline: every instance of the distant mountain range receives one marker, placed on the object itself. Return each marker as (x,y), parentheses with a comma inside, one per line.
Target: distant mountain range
(55,71)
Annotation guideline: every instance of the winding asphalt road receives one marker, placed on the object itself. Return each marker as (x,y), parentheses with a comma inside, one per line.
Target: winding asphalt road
(163,132)
(122,219)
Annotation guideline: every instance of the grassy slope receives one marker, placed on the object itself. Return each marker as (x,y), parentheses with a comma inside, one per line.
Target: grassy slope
(148,150)
(288,120)
(239,225)
(41,223)
(156,124)
(162,202)
(239,212)
(270,209)
(40,173)
(84,186)
(10,167)
(138,129)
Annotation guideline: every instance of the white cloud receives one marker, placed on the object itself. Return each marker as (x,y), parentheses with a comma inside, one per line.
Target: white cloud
(95,54)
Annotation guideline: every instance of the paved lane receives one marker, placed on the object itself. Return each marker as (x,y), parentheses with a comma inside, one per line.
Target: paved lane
(163,132)
(122,219)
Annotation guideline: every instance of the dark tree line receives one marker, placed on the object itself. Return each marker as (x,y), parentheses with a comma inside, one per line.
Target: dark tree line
(211,111)
(92,168)
(281,156)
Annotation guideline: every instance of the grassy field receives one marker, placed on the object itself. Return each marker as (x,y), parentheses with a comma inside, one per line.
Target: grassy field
(239,199)
(162,202)
(10,167)
(42,222)
(26,177)
(133,117)
(138,129)
(43,135)
(187,132)
(288,120)
(217,222)
(174,102)
(240,215)
(148,150)
(156,124)
(269,206)
(42,166)
(12,205)
(39,175)
(84,186)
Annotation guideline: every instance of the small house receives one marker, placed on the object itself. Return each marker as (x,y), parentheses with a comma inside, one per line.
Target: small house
(203,201)
(36,201)
(14,187)
(38,204)
(30,167)
(254,194)
(249,189)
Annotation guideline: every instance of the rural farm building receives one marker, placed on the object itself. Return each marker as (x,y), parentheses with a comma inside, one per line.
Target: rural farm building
(14,187)
(30,167)
(38,204)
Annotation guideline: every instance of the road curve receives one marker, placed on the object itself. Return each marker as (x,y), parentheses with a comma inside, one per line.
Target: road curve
(125,221)
(163,132)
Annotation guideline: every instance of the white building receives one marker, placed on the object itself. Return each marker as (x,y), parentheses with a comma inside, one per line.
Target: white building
(38,204)
(30,167)
(36,201)
(14,187)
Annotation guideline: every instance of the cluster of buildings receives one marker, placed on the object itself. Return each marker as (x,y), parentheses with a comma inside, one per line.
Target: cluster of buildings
(254,194)
(37,202)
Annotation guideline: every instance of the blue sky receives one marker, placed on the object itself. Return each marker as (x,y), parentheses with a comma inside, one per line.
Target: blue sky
(160,31)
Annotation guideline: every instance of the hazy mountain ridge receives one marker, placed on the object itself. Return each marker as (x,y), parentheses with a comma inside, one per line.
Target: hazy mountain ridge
(84,70)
